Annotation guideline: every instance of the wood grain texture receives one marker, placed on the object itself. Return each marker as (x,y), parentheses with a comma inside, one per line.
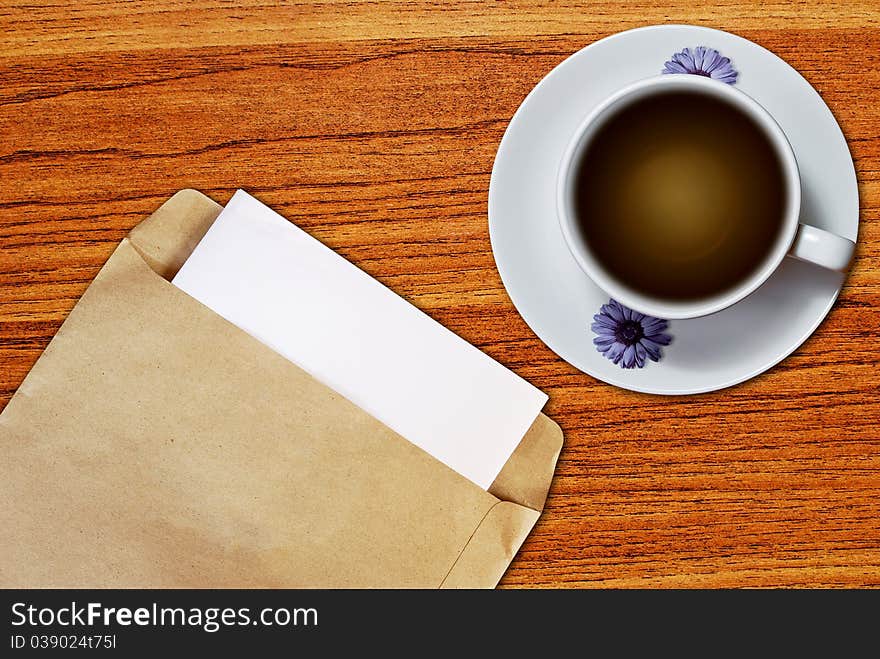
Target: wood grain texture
(374,126)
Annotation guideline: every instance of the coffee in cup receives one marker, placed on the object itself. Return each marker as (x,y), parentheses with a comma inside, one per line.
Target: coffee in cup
(680,195)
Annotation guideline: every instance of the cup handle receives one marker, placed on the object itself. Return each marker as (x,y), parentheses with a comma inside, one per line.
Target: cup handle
(822,248)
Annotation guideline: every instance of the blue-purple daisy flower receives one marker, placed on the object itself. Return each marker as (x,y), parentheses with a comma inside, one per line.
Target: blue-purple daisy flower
(627,337)
(702,61)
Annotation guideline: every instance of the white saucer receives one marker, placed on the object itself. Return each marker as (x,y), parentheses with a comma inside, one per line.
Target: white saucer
(558,300)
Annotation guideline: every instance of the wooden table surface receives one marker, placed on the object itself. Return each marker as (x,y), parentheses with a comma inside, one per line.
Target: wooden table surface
(374,126)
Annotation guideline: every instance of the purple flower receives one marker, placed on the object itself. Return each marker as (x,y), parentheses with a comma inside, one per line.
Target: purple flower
(702,61)
(628,337)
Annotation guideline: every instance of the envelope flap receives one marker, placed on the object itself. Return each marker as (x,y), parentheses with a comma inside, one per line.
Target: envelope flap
(167,238)
(494,543)
(526,476)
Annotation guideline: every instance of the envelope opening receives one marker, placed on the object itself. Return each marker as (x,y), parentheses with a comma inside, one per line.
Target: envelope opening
(166,238)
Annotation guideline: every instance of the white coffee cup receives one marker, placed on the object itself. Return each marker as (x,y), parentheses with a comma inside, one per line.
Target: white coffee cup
(797,240)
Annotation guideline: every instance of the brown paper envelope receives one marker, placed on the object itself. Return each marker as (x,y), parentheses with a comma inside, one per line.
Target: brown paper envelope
(154,444)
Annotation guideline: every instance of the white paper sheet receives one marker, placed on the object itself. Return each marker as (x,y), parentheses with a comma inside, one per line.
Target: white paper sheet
(306,302)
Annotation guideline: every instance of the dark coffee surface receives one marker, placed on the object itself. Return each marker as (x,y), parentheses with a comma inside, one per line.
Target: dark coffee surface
(680,196)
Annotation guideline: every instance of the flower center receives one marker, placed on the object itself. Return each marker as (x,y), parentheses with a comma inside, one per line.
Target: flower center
(700,72)
(629,332)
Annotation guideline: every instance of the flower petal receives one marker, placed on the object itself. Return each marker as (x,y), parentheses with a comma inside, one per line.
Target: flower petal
(659,339)
(605,321)
(655,326)
(711,60)
(641,353)
(724,72)
(603,341)
(651,348)
(603,347)
(699,52)
(724,64)
(614,310)
(729,78)
(687,60)
(673,67)
(629,356)
(615,352)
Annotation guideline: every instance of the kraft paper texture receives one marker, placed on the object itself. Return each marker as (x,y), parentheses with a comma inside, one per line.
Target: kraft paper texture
(156,445)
